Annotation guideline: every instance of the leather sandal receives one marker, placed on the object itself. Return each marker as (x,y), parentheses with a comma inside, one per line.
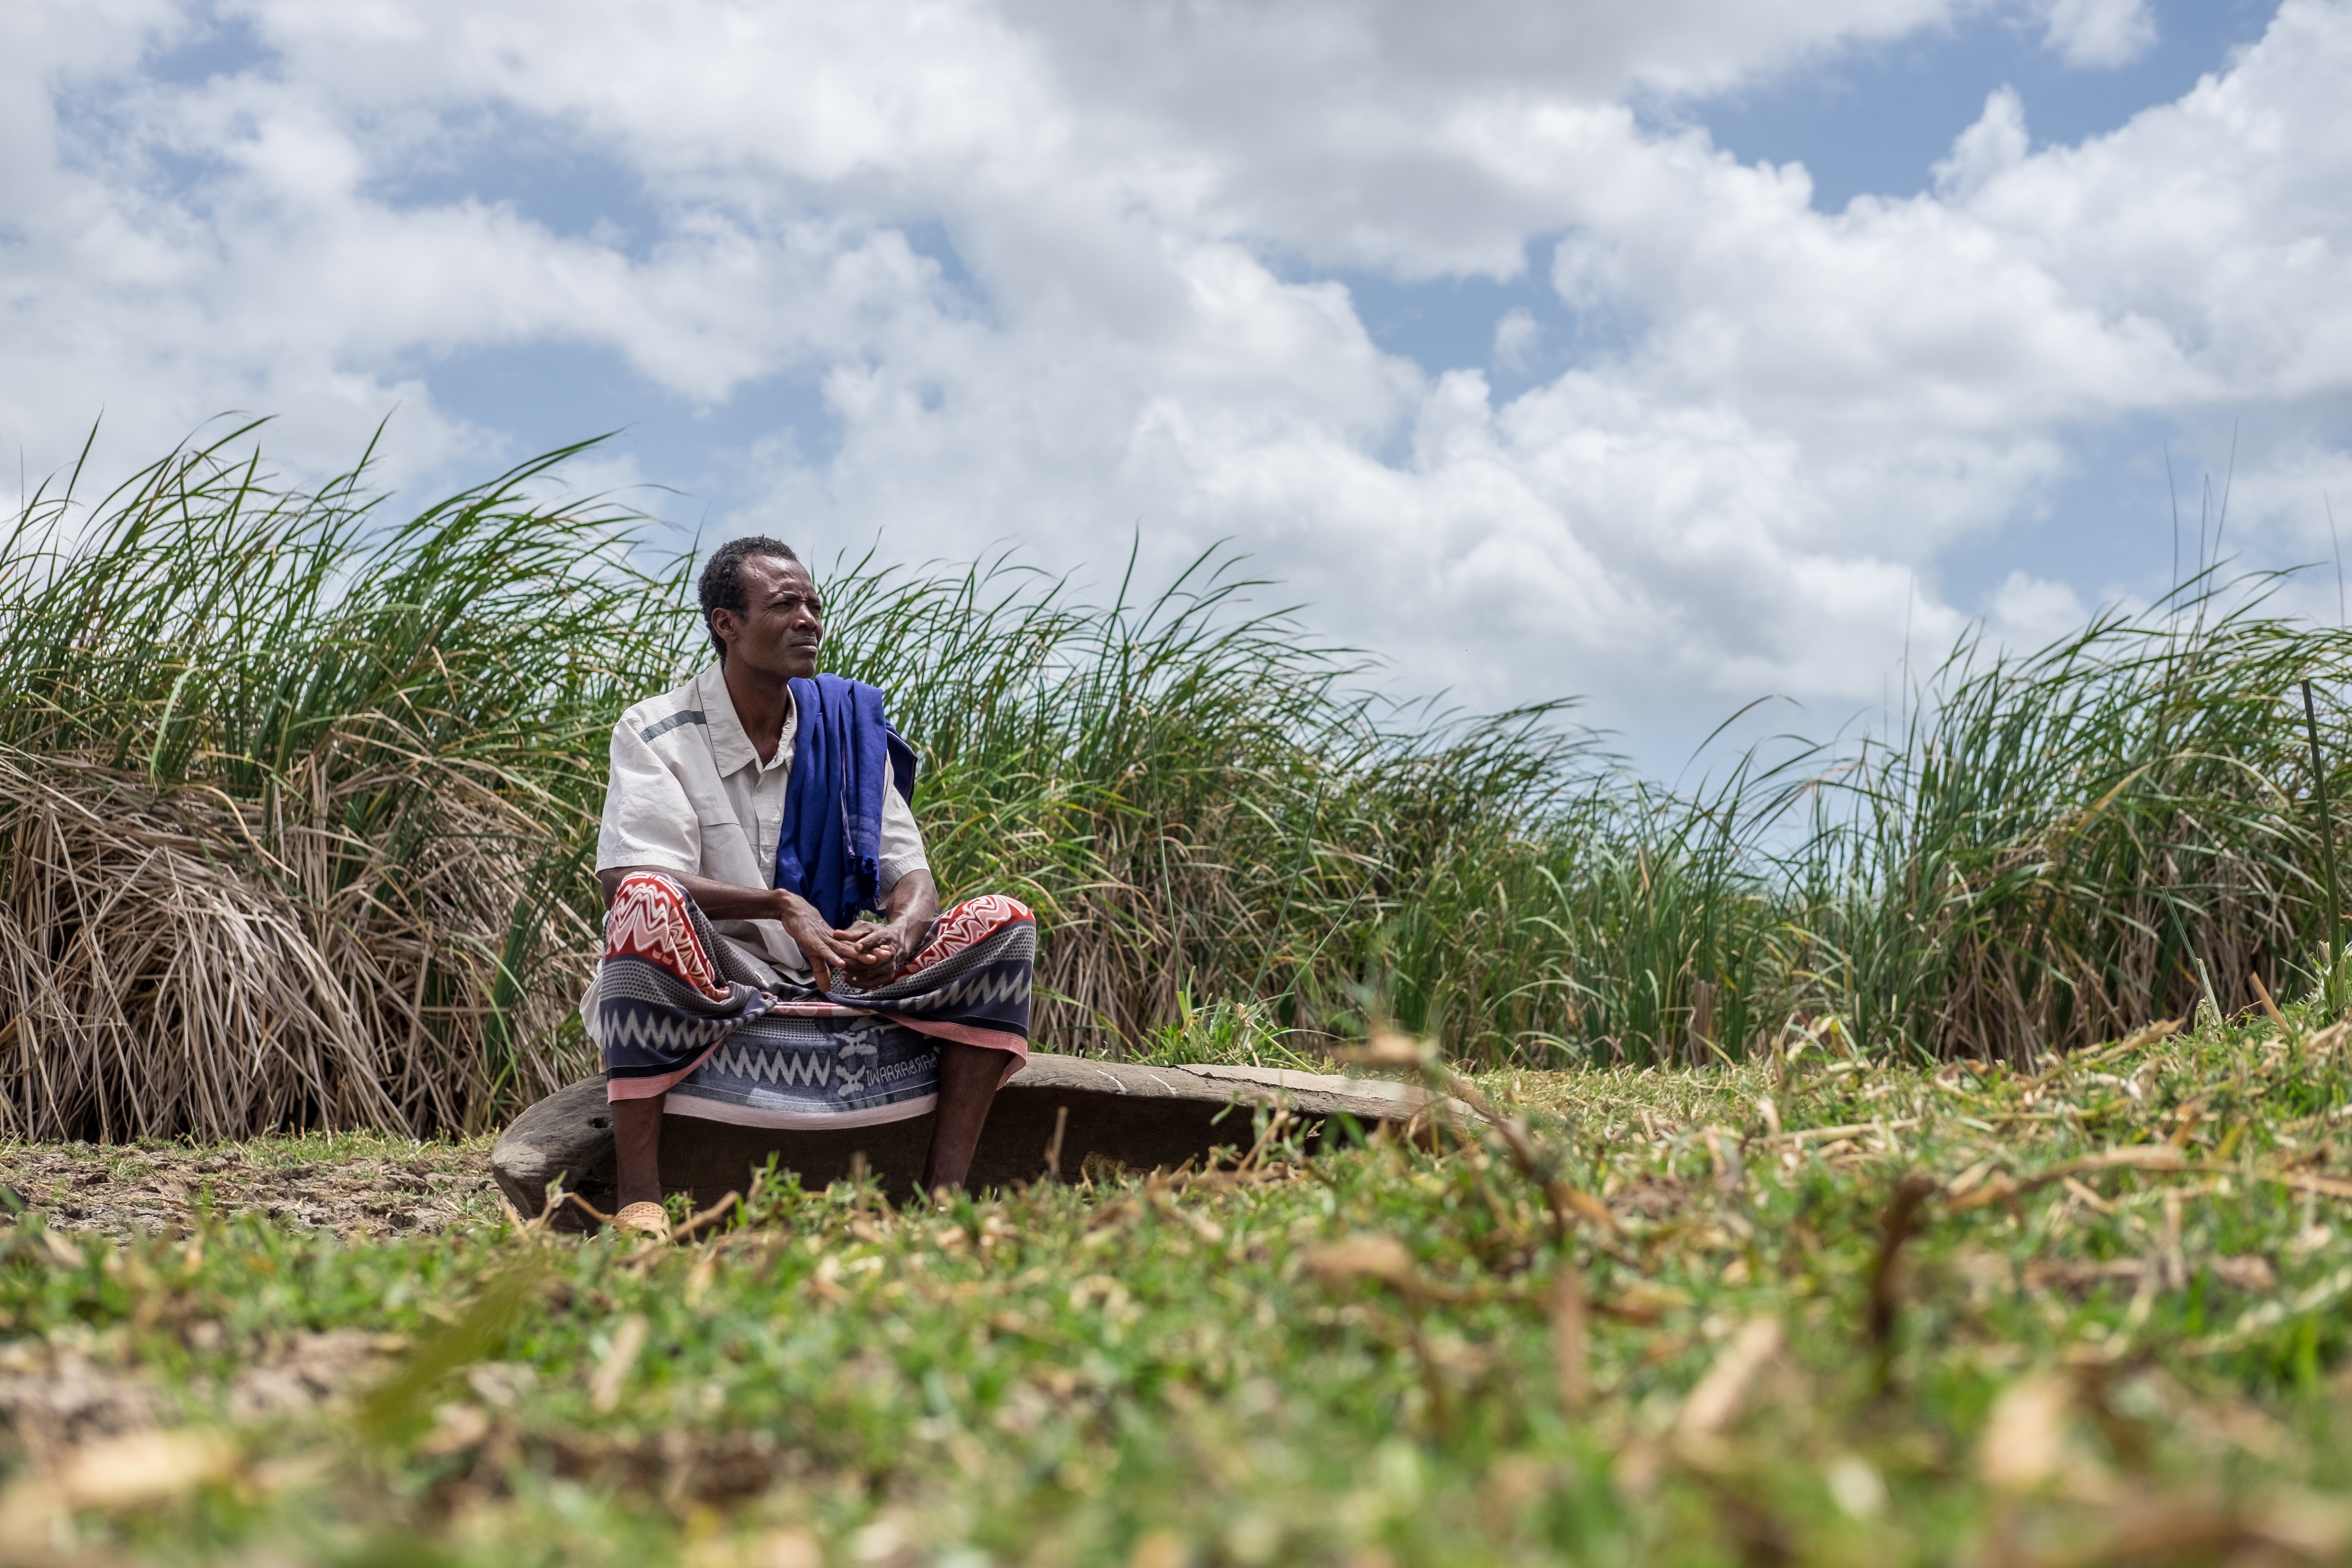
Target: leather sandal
(646,1219)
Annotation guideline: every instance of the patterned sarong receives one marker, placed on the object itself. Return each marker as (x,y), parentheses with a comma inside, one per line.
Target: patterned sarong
(678,1012)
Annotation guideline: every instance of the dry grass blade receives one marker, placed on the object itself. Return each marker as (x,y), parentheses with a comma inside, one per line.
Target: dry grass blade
(591,1210)
(2024,1442)
(1380,1258)
(133,1470)
(709,1216)
(1570,1342)
(2326,1293)
(1053,1147)
(1905,1216)
(2270,1007)
(1715,1404)
(612,1371)
(2309,1182)
(2137,1157)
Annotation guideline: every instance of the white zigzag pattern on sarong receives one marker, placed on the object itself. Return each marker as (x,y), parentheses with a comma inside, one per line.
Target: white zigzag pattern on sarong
(813,1068)
(637,1029)
(985,986)
(846,1066)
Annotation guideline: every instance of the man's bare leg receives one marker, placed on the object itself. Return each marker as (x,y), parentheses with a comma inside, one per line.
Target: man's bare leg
(637,1150)
(968,1079)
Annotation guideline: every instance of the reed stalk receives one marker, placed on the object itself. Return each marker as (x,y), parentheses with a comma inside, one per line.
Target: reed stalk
(2331,948)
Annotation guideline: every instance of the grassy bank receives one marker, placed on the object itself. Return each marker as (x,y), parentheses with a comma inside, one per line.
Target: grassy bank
(1822,1309)
(295,803)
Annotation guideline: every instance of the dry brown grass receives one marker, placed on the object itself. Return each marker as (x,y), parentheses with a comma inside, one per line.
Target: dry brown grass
(292,803)
(173,962)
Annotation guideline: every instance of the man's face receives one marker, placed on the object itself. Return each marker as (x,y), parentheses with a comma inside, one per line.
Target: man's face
(782,625)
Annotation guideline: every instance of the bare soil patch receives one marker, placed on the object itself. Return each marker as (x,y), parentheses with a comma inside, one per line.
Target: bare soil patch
(362,1185)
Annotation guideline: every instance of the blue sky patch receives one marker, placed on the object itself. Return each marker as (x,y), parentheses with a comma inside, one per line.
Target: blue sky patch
(1873,120)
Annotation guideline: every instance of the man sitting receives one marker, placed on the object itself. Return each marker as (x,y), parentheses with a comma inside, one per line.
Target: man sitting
(755,818)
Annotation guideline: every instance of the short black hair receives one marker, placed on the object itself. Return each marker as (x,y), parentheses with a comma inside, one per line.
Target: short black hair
(721,585)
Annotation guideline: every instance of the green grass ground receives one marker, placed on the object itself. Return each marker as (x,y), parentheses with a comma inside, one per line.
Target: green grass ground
(1810,1310)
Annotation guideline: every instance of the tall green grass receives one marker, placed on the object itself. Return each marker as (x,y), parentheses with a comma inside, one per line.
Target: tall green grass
(2064,845)
(297,803)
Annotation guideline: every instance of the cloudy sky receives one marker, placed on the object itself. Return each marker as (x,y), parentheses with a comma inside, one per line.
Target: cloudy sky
(1672,353)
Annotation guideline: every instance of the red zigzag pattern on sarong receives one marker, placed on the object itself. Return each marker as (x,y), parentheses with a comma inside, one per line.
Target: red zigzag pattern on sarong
(648,921)
(970,922)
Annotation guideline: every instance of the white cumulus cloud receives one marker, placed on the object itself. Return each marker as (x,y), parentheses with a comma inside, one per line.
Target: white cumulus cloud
(1057,271)
(2100,32)
(1517,336)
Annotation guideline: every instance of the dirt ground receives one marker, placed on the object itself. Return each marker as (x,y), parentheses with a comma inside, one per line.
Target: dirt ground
(352,1185)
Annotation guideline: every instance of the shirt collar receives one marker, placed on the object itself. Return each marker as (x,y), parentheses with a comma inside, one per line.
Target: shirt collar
(731,747)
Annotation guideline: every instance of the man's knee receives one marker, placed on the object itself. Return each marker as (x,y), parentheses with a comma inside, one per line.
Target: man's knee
(653,919)
(648,898)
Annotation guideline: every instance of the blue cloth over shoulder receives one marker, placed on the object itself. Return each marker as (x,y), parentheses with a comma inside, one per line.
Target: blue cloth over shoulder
(844,754)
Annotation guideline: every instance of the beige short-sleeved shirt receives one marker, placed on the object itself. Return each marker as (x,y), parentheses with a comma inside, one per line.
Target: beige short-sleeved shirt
(688,793)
